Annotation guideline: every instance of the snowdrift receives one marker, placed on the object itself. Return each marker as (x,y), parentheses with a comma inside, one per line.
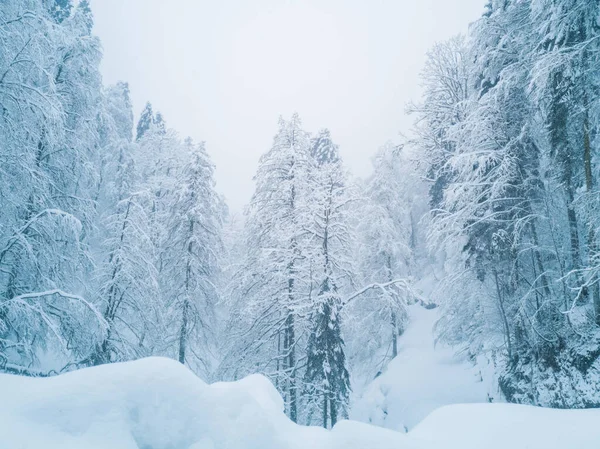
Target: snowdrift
(508,426)
(157,403)
(421,378)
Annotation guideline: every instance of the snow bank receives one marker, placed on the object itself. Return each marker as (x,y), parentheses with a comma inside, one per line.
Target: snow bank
(509,426)
(157,403)
(420,379)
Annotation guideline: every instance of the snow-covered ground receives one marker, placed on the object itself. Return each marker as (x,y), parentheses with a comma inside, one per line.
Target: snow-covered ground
(508,426)
(157,403)
(423,377)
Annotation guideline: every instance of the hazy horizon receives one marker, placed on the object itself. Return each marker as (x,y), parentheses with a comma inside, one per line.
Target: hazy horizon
(224,72)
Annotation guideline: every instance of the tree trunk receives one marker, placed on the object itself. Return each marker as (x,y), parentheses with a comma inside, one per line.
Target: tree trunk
(504,317)
(573,231)
(292,368)
(538,259)
(574,239)
(278,371)
(559,117)
(394,317)
(589,184)
(394,335)
(333,413)
(113,302)
(183,332)
(325,411)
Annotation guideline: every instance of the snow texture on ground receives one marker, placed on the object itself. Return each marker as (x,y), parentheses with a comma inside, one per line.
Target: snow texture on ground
(157,403)
(423,377)
(508,426)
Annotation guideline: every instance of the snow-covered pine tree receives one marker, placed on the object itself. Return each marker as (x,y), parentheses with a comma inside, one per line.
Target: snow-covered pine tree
(159,159)
(129,296)
(274,284)
(193,242)
(145,121)
(149,121)
(327,382)
(60,9)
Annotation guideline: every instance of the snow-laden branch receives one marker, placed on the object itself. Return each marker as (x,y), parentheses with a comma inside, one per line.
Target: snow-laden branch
(382,286)
(21,299)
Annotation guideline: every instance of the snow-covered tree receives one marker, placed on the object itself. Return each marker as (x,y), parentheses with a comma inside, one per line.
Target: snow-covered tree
(60,9)
(129,287)
(331,239)
(388,219)
(191,249)
(128,292)
(49,91)
(445,80)
(274,282)
(514,217)
(145,121)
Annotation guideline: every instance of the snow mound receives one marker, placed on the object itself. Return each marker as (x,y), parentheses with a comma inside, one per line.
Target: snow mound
(502,426)
(421,378)
(157,403)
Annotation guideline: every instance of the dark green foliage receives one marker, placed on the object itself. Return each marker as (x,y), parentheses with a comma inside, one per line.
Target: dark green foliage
(327,379)
(323,150)
(150,120)
(145,121)
(60,9)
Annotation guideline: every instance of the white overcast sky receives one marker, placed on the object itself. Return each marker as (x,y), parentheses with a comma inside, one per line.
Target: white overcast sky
(223,71)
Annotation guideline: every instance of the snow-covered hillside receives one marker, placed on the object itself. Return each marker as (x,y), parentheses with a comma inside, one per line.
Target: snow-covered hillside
(157,403)
(423,377)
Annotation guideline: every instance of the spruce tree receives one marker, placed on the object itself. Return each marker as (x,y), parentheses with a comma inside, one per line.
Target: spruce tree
(190,255)
(271,287)
(326,378)
(145,121)
(60,9)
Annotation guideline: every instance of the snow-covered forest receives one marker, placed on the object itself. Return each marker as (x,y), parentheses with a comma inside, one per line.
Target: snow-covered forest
(115,243)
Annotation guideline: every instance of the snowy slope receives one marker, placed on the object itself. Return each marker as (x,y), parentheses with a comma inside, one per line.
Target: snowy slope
(508,426)
(420,379)
(158,404)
